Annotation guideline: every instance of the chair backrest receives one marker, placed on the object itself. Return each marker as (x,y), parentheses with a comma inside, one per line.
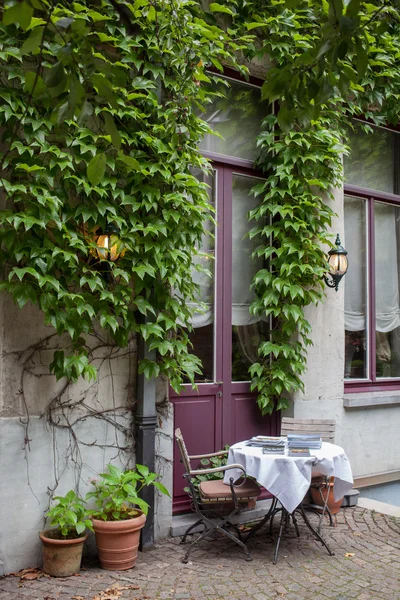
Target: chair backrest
(183,451)
(325,427)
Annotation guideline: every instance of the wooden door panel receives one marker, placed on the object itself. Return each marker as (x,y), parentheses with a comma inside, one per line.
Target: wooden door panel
(246,419)
(196,416)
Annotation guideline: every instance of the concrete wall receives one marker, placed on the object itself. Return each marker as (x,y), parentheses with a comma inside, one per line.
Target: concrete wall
(164,459)
(53,436)
(368,424)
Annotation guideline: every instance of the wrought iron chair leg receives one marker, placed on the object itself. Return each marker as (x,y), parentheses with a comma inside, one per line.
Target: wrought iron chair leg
(263,520)
(314,531)
(237,530)
(278,541)
(189,529)
(235,539)
(217,527)
(205,533)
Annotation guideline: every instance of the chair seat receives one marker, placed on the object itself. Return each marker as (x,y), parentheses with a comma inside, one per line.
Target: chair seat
(218,491)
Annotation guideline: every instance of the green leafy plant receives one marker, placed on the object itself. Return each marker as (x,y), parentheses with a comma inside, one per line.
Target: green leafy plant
(100,105)
(99,114)
(70,516)
(210,463)
(116,494)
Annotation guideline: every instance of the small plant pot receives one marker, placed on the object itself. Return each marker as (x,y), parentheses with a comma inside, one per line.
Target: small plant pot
(118,542)
(61,558)
(333,505)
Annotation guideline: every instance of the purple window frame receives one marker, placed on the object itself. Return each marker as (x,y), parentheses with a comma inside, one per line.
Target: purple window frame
(371,384)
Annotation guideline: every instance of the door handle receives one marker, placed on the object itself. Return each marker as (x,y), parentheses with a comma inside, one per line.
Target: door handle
(219,383)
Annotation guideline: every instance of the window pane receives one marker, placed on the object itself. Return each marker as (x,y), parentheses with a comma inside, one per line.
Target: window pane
(248,331)
(237,117)
(355,316)
(203,321)
(387,255)
(374,160)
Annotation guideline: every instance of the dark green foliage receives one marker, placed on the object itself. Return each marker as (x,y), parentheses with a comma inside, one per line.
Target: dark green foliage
(89,141)
(98,113)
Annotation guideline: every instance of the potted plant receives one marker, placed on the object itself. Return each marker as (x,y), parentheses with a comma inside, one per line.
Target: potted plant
(63,545)
(120,514)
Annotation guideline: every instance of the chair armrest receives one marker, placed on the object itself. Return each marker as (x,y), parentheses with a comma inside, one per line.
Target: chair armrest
(220,453)
(216,470)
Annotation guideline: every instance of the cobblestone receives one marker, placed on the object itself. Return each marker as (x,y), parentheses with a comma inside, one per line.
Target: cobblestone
(218,571)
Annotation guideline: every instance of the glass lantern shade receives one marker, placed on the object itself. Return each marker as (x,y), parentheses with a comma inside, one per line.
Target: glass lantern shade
(338,264)
(108,244)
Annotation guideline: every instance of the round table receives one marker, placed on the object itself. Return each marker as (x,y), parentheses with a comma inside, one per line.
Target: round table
(288,478)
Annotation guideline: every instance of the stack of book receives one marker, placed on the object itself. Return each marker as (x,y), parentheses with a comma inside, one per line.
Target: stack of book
(269,444)
(300,444)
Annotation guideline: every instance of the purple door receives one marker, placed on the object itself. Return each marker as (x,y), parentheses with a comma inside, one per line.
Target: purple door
(226,336)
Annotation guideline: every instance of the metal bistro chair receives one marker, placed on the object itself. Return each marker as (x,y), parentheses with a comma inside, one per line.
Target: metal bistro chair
(212,499)
(320,482)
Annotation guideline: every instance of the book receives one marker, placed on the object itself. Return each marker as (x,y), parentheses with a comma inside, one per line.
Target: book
(269,440)
(299,452)
(273,450)
(304,440)
(304,436)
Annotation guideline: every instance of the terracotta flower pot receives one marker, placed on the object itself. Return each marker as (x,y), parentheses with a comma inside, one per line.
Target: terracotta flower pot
(61,558)
(333,505)
(118,541)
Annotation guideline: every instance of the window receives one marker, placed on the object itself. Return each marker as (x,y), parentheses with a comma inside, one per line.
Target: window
(372,234)
(226,336)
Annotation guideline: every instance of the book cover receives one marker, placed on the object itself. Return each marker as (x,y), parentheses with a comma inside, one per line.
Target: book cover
(299,452)
(273,450)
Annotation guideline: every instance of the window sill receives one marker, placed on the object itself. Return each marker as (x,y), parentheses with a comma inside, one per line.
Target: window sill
(372,399)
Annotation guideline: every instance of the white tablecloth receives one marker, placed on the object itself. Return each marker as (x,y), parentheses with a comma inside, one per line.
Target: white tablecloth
(288,478)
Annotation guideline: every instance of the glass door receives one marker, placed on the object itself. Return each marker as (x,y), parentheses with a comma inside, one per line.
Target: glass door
(225,336)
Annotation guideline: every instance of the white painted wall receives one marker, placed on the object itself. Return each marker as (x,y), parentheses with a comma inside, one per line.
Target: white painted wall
(38,452)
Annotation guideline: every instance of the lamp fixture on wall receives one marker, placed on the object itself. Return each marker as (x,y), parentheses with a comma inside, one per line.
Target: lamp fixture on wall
(107,242)
(338,265)
(108,248)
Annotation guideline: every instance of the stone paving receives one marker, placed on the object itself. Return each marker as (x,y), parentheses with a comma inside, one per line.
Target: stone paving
(366,566)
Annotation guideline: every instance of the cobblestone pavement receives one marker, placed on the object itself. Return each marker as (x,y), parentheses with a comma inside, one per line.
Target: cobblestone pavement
(366,566)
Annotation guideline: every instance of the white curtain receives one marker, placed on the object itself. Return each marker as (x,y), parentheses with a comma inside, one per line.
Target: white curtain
(386,267)
(204,309)
(244,267)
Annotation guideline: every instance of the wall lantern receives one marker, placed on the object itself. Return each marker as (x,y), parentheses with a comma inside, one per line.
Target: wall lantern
(338,265)
(108,244)
(108,249)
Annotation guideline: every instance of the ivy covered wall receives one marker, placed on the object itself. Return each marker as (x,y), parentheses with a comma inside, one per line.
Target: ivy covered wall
(100,123)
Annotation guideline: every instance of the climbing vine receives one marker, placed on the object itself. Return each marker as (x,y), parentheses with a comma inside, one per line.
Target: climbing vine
(100,127)
(100,119)
(330,62)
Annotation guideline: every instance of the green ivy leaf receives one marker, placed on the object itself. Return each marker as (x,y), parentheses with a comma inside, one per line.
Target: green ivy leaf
(32,43)
(96,168)
(220,8)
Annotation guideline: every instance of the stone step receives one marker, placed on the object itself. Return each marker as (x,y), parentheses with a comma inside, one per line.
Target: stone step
(181,522)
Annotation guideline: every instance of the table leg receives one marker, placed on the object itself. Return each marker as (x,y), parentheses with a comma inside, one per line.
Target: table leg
(314,531)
